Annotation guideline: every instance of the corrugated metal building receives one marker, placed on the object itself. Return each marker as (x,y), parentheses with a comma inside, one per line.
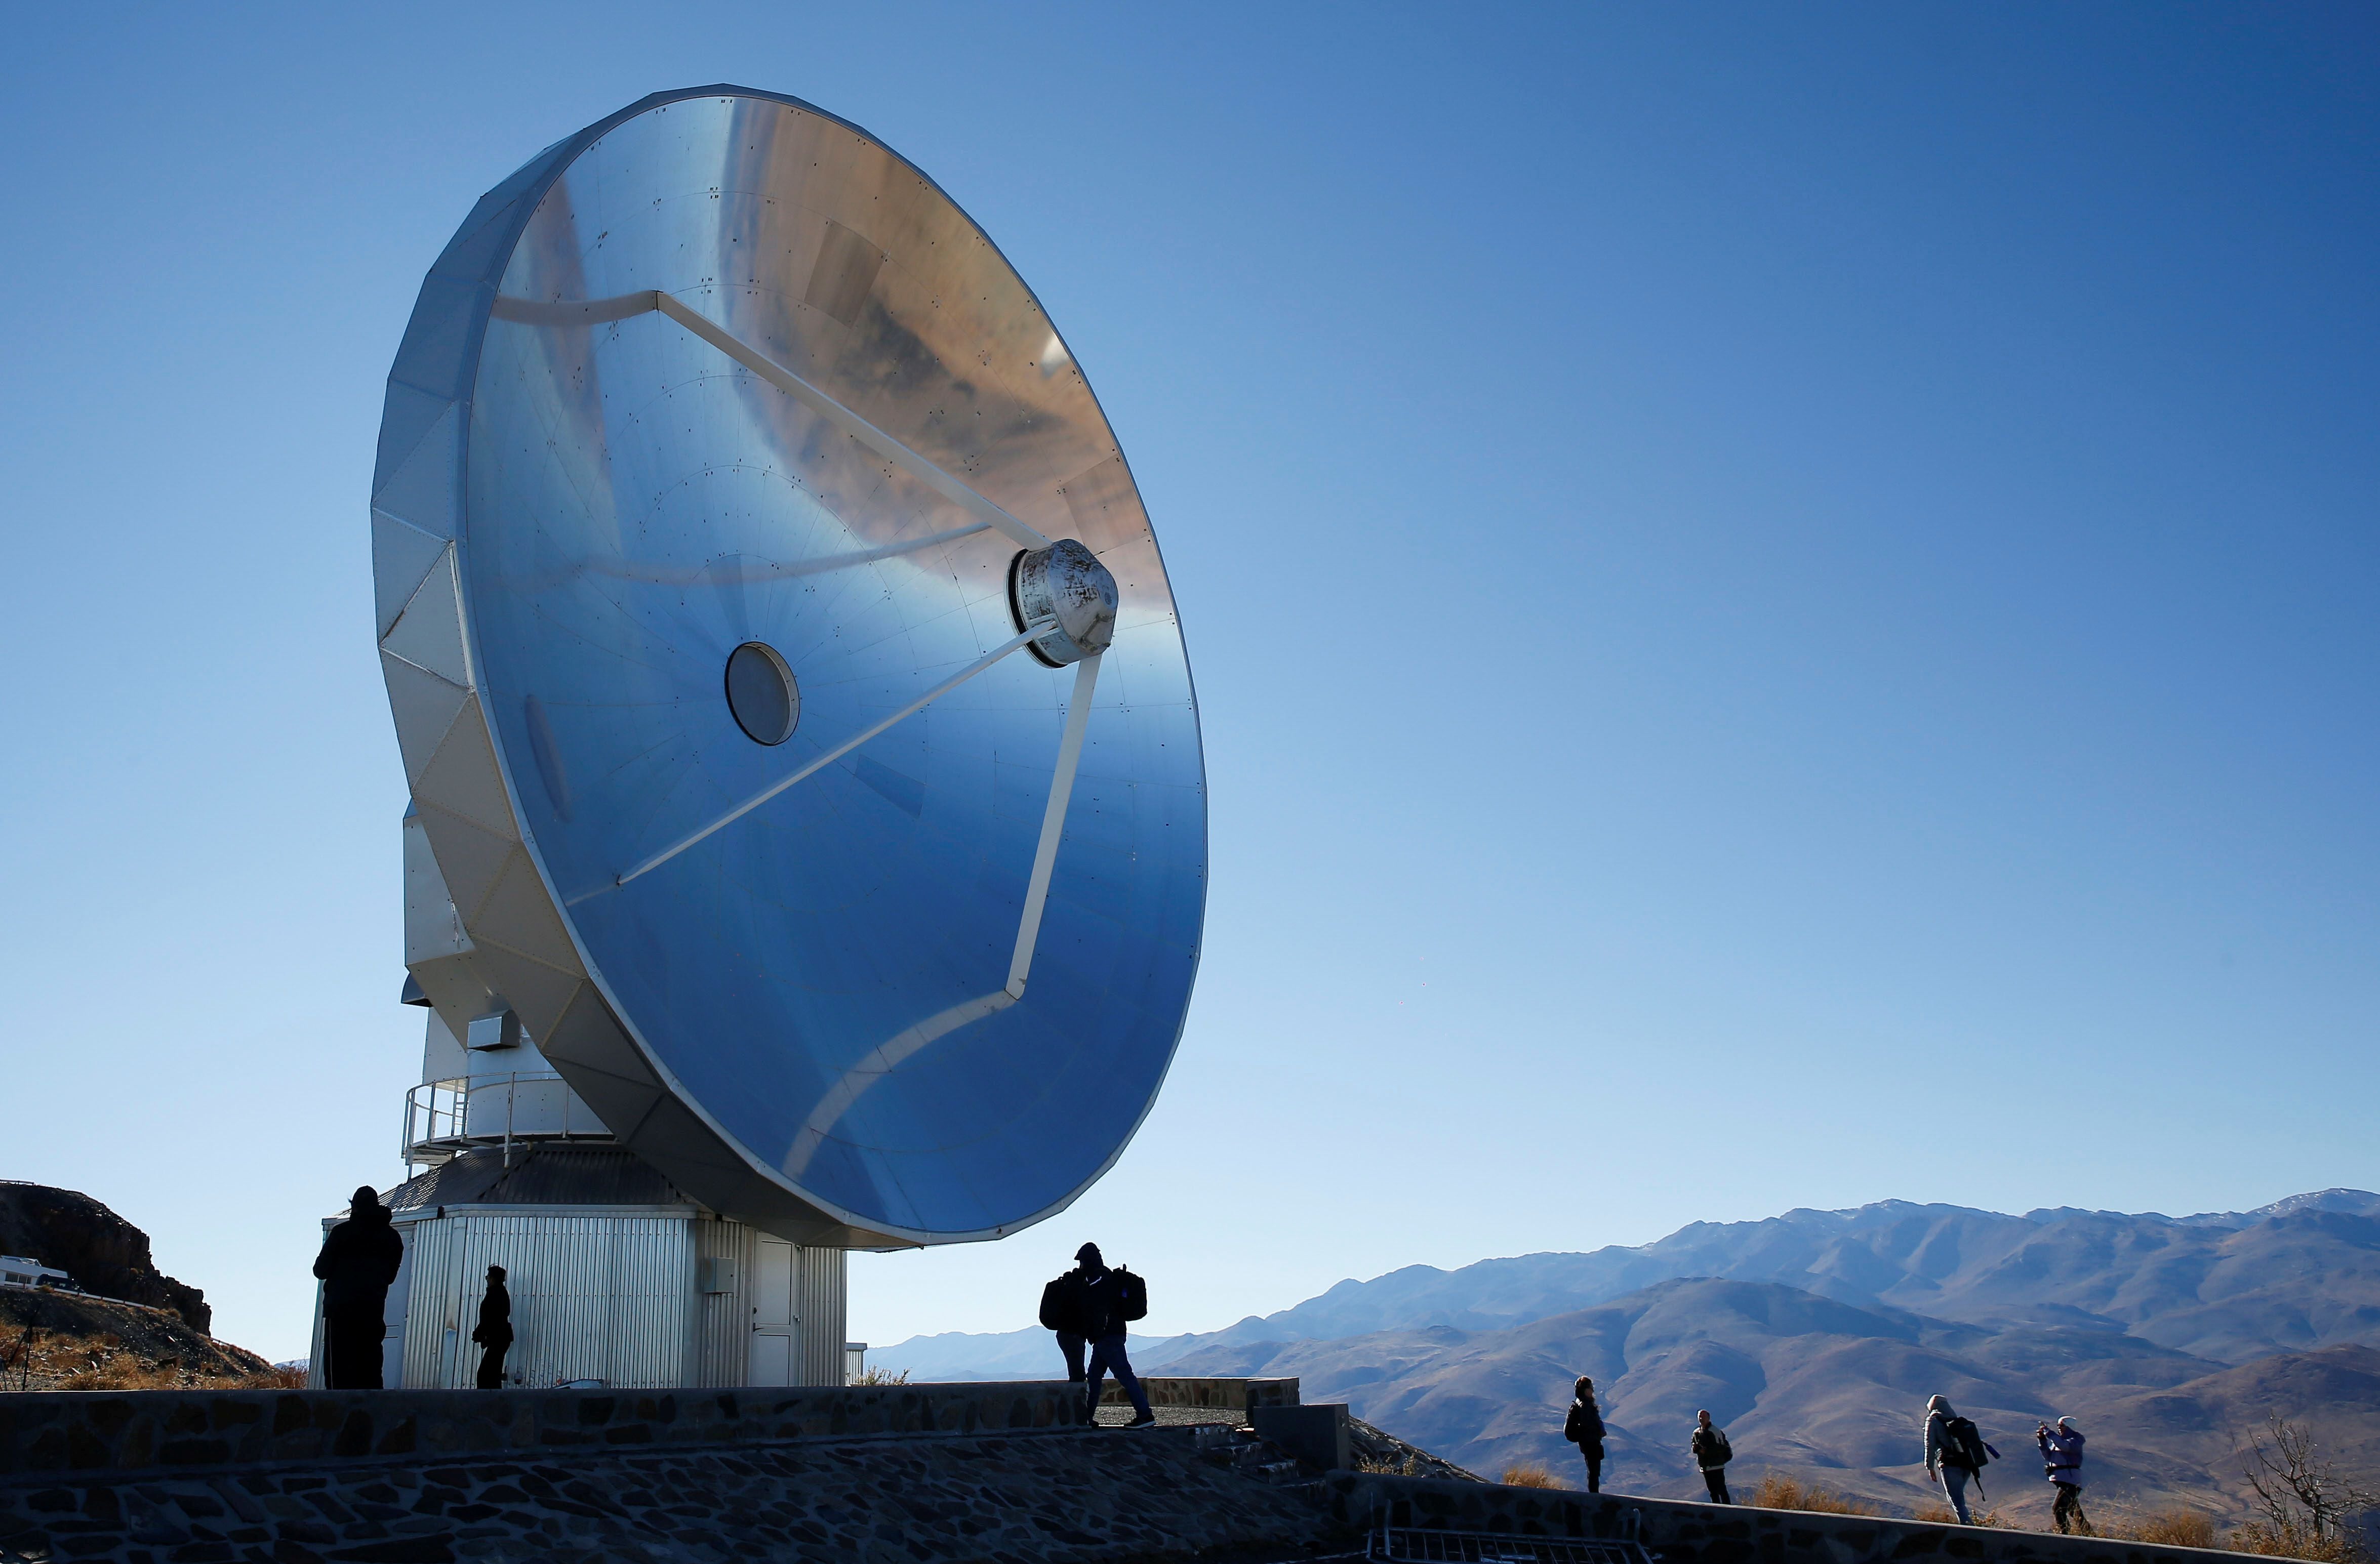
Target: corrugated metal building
(615,1276)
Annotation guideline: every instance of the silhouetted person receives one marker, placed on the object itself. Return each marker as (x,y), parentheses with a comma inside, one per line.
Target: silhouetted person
(1712,1452)
(494,1331)
(2061,1463)
(1107,1305)
(358,1260)
(1584,1428)
(1061,1312)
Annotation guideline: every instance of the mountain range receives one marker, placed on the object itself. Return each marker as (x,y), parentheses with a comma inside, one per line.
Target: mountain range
(1815,1337)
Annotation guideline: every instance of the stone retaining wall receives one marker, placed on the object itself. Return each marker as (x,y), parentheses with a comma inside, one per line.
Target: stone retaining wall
(1064,1496)
(1684,1532)
(130,1431)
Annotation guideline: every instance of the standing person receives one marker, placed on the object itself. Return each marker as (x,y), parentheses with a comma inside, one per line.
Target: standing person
(494,1331)
(2061,1463)
(1584,1428)
(1712,1452)
(359,1258)
(1953,1443)
(1061,1312)
(1110,1299)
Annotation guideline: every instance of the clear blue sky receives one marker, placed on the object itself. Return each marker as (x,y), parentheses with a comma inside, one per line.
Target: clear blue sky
(1783,598)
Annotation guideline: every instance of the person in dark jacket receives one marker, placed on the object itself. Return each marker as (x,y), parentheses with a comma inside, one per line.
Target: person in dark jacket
(1584,1428)
(494,1331)
(1103,1325)
(1712,1452)
(1061,1313)
(359,1258)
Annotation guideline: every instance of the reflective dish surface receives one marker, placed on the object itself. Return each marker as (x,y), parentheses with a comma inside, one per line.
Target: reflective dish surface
(677,585)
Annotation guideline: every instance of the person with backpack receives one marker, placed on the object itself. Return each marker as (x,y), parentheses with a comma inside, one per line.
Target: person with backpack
(1712,1452)
(1584,1428)
(1061,1313)
(2061,1463)
(1955,1446)
(1111,1299)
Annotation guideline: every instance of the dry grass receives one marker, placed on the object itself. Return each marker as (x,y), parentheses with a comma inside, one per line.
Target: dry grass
(1530,1477)
(1942,1514)
(1390,1466)
(872,1375)
(2297,1542)
(1787,1493)
(34,1358)
(2172,1527)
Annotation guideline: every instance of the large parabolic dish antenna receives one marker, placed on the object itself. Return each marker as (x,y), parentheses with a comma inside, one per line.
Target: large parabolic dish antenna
(786,677)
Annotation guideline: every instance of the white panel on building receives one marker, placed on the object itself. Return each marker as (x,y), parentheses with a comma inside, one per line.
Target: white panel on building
(773,1328)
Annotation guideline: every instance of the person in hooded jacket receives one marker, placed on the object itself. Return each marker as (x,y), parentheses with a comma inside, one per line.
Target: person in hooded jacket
(359,1258)
(2061,1463)
(1103,1325)
(1584,1428)
(1943,1451)
(494,1331)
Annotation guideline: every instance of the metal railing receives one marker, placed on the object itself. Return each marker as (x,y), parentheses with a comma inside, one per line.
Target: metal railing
(443,1118)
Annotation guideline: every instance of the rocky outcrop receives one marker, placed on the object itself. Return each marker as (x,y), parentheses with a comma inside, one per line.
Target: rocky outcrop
(54,1341)
(1376,1449)
(103,1253)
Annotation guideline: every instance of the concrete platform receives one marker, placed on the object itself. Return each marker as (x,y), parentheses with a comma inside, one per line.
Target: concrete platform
(1177,1417)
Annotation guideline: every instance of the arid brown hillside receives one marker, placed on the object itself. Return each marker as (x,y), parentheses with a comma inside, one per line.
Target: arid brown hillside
(103,1251)
(71,1341)
(1823,1391)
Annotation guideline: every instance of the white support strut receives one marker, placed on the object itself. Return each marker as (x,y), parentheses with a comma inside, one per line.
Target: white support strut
(594,312)
(771,570)
(1032,632)
(851,423)
(879,1064)
(1053,823)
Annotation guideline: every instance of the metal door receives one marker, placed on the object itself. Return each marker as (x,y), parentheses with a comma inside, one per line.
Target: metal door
(774,1356)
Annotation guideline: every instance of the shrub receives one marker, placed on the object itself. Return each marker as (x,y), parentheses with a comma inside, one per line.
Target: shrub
(1530,1477)
(122,1371)
(2172,1527)
(874,1375)
(1787,1493)
(2292,1540)
(2307,1504)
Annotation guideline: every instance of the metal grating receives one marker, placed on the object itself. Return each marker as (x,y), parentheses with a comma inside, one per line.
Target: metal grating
(1500,1548)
